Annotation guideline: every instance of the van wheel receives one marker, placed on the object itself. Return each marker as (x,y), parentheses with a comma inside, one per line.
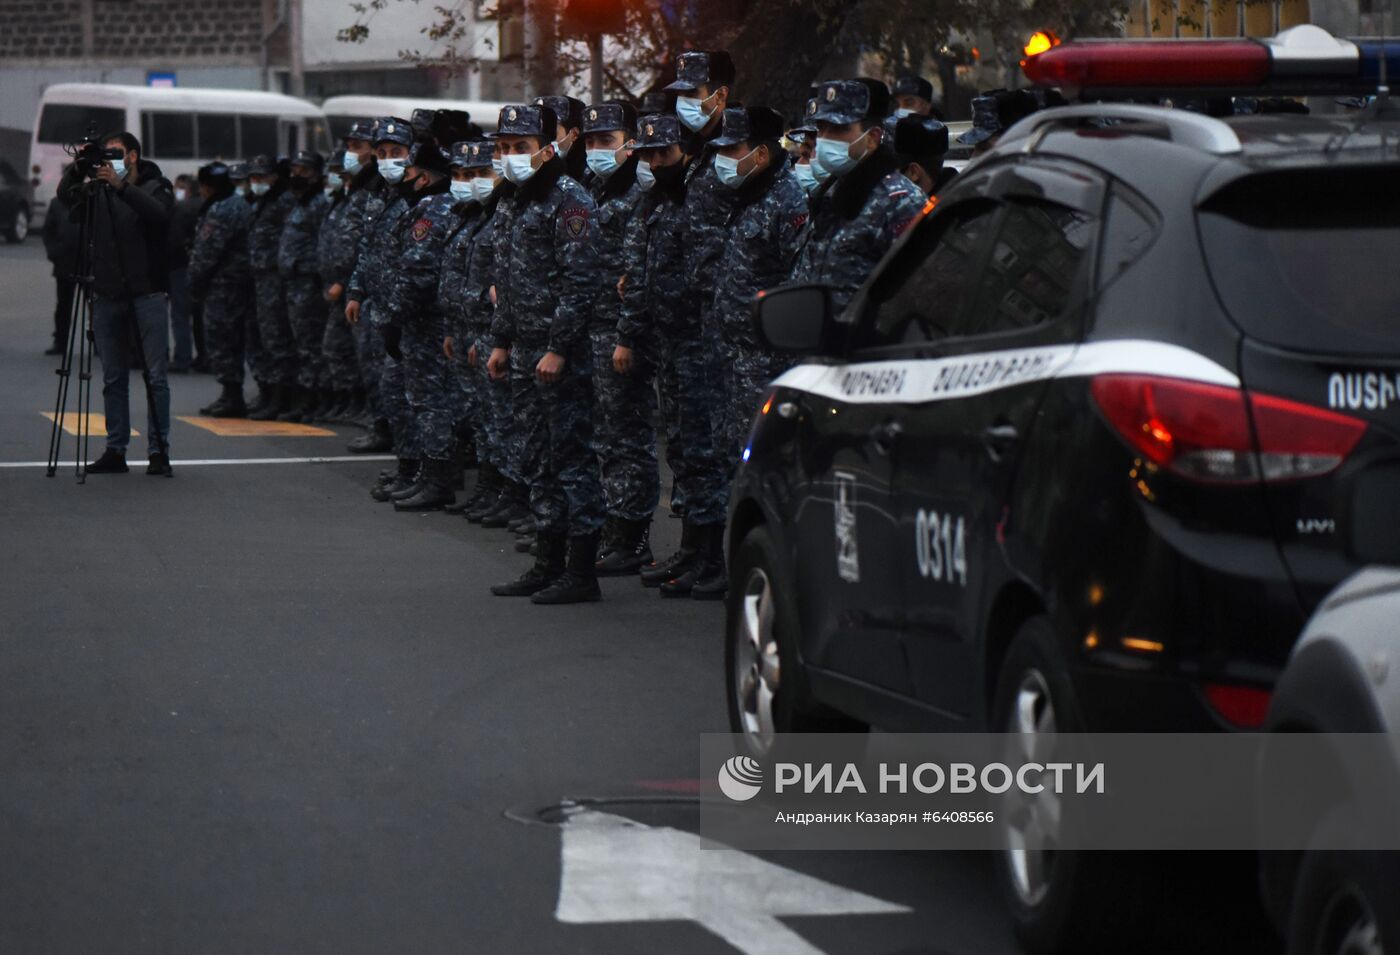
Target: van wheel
(1061,901)
(17,230)
(765,686)
(1344,902)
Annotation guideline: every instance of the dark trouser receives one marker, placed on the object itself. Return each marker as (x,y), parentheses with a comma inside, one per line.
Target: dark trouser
(623,431)
(689,401)
(180,317)
(306,311)
(227,311)
(275,330)
(338,350)
(258,362)
(117,326)
(197,325)
(494,421)
(369,351)
(393,399)
(67,289)
(431,389)
(554,425)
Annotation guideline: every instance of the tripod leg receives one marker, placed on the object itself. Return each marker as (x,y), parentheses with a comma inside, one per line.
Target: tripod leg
(85,385)
(64,372)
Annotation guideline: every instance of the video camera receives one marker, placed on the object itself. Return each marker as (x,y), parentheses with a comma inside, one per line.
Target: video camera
(88,154)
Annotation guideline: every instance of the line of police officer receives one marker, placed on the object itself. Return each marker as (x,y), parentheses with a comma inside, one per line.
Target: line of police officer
(529,297)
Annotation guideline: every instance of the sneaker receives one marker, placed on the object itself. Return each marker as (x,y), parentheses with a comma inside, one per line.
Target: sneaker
(159,465)
(111,462)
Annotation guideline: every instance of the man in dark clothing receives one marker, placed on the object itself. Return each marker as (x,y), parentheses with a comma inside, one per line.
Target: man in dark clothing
(220,277)
(61,247)
(305,303)
(130,215)
(272,203)
(568,113)
(179,239)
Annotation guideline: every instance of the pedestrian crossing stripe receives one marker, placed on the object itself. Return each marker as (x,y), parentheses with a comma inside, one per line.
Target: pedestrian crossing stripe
(96,424)
(244,428)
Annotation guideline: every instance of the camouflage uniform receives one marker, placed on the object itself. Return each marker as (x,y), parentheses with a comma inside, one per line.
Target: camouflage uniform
(547,282)
(368,198)
(219,274)
(492,422)
(274,329)
(453,303)
(336,250)
(623,404)
(306,302)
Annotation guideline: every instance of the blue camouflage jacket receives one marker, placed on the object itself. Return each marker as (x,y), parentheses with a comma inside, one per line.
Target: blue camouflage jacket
(456,264)
(616,197)
(348,219)
(219,255)
(265,233)
(296,251)
(372,279)
(763,238)
(419,238)
(657,300)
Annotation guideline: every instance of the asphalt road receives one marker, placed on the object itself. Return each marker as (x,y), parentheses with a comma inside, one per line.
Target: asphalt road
(247,709)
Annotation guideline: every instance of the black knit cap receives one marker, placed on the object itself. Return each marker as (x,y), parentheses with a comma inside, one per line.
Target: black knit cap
(425,154)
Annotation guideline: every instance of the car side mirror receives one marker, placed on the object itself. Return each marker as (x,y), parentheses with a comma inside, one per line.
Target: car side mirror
(796,319)
(1367,517)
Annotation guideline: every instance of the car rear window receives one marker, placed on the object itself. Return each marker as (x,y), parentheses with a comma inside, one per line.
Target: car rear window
(1306,259)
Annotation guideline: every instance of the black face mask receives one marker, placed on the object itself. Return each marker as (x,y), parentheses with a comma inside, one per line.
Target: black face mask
(669,177)
(302,183)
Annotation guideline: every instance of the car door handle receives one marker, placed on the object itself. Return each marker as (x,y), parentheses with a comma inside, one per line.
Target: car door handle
(998,439)
(883,436)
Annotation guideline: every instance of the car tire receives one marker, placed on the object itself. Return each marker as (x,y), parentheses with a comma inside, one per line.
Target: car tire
(1344,901)
(1061,901)
(17,229)
(765,688)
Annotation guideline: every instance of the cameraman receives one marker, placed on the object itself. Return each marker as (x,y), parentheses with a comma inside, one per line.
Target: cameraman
(130,208)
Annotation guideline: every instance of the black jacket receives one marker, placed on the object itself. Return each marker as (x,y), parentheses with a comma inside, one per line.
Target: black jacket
(129,230)
(180,237)
(61,239)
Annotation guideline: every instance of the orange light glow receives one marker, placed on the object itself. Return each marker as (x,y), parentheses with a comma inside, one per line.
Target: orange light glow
(767,405)
(1141,645)
(1040,41)
(1092,640)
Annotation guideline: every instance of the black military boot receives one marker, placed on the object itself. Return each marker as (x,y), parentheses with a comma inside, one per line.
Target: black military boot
(522,525)
(408,470)
(228,405)
(326,403)
(709,541)
(302,407)
(514,505)
(548,567)
(678,563)
(375,440)
(631,550)
(278,401)
(434,490)
(420,477)
(494,498)
(579,582)
(486,479)
(711,575)
(354,406)
(260,399)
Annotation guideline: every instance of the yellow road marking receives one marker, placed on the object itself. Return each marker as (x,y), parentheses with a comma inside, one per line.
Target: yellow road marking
(243,428)
(97,423)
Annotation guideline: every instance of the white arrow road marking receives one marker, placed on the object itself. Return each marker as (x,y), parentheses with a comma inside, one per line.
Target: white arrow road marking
(618,870)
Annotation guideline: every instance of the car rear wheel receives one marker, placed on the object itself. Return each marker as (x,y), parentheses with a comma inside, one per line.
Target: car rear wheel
(17,229)
(765,688)
(1344,902)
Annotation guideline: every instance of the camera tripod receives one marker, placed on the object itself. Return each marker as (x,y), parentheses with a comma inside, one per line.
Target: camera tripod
(78,351)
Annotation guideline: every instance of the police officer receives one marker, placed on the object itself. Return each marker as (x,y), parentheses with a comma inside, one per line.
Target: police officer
(913,96)
(412,322)
(623,403)
(272,203)
(464,298)
(920,143)
(372,286)
(335,257)
(660,325)
(547,281)
(306,305)
(253,352)
(993,113)
(219,276)
(703,81)
(804,140)
(869,203)
(569,114)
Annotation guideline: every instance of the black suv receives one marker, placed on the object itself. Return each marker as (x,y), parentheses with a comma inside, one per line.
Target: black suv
(1069,460)
(16,199)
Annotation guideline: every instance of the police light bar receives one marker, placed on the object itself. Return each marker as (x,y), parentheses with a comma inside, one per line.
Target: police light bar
(1302,60)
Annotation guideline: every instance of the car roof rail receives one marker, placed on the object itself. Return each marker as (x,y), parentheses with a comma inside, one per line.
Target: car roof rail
(1185,128)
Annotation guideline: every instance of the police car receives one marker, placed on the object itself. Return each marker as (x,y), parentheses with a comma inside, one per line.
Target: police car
(1069,460)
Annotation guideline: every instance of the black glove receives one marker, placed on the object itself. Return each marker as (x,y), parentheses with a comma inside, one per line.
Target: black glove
(393,337)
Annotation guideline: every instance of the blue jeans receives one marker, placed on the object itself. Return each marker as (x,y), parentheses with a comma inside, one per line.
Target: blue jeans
(116,324)
(180,317)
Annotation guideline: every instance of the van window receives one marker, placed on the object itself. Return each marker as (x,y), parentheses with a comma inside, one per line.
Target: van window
(259,136)
(218,136)
(70,122)
(172,136)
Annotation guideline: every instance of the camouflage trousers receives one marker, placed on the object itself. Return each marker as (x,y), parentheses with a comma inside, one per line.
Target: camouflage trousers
(306,311)
(369,353)
(275,330)
(226,317)
(339,351)
(393,400)
(623,431)
(686,380)
(492,422)
(552,431)
(744,372)
(431,390)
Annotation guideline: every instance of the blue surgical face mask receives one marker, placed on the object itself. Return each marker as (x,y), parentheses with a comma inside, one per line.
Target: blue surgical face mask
(728,171)
(352,162)
(393,170)
(644,177)
(834,157)
(499,166)
(461,191)
(519,168)
(603,162)
(119,167)
(691,113)
(903,112)
(260,188)
(806,177)
(334,180)
(482,188)
(560,149)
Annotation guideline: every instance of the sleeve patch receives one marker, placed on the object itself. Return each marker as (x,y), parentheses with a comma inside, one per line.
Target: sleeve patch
(205,231)
(799,221)
(422,229)
(575,221)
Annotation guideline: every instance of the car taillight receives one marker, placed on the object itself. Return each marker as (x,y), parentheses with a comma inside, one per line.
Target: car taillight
(1244,706)
(1203,432)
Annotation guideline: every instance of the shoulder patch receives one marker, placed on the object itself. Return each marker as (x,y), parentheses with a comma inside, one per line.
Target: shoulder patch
(206,230)
(798,221)
(422,228)
(575,221)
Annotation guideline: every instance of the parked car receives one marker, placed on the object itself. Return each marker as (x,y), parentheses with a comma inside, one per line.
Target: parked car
(16,204)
